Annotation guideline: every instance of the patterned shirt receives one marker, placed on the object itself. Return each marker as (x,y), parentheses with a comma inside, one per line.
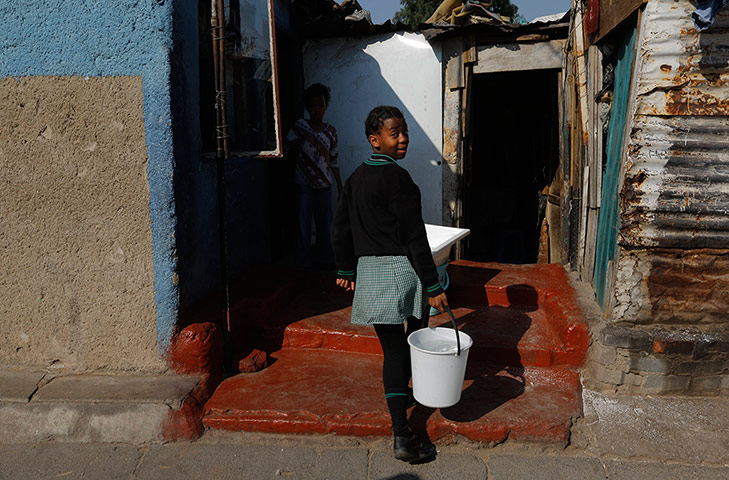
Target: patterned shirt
(317,155)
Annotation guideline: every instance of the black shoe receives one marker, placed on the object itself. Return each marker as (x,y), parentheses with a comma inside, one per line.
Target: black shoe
(411,450)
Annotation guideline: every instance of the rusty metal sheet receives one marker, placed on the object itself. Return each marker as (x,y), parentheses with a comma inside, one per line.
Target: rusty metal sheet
(683,71)
(675,191)
(662,286)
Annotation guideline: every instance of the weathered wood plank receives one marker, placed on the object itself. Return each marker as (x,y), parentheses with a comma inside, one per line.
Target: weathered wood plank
(453,54)
(595,146)
(452,164)
(588,269)
(508,57)
(581,74)
(583,217)
(612,14)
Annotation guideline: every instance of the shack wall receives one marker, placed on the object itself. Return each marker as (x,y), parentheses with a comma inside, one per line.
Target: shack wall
(365,72)
(674,222)
(88,227)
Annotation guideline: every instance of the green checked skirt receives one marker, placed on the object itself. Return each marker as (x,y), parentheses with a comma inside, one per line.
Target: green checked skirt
(387,290)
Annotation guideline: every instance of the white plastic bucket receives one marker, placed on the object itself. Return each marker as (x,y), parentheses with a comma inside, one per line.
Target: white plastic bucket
(438,371)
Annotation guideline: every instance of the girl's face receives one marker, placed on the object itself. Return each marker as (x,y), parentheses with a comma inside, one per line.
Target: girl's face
(316,107)
(392,139)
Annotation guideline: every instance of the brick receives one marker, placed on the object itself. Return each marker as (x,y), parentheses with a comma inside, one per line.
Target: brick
(700,368)
(602,354)
(605,374)
(706,384)
(665,383)
(686,367)
(720,346)
(725,382)
(633,379)
(701,352)
(650,364)
(705,351)
(682,347)
(625,337)
(711,367)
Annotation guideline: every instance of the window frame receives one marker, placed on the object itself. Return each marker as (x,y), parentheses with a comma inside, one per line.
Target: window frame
(278,151)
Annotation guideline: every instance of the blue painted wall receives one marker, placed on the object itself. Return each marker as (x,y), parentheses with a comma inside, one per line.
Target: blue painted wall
(157,40)
(120,38)
(609,221)
(196,191)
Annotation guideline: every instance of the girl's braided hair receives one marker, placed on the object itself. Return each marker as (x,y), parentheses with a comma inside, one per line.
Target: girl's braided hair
(377,117)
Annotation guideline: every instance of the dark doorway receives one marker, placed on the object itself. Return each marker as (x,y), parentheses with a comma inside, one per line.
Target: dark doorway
(515,154)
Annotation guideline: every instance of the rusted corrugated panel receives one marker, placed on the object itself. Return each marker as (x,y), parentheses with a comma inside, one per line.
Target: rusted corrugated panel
(664,285)
(683,71)
(676,188)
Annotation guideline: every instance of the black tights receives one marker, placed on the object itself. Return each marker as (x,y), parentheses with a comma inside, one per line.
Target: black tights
(396,371)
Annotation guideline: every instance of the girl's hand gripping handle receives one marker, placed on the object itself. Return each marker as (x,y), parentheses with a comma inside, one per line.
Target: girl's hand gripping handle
(439,303)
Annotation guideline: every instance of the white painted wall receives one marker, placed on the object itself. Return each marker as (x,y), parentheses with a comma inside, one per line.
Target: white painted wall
(400,69)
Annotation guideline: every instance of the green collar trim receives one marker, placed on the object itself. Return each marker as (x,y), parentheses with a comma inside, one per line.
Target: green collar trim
(378,159)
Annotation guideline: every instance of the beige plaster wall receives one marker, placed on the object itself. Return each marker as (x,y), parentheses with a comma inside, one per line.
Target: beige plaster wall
(76,280)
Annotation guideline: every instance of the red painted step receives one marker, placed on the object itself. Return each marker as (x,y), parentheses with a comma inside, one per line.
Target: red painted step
(509,335)
(320,391)
(516,314)
(526,314)
(326,373)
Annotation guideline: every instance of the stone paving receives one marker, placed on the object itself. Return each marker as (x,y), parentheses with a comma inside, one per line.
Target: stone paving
(620,437)
(244,456)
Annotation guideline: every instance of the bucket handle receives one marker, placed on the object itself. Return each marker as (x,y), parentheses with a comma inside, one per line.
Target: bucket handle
(455,327)
(453,322)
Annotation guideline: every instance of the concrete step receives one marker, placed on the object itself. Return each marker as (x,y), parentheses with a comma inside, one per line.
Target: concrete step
(37,406)
(324,391)
(517,314)
(510,335)
(325,374)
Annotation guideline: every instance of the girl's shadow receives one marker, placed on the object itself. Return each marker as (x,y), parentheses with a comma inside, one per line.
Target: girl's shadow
(494,367)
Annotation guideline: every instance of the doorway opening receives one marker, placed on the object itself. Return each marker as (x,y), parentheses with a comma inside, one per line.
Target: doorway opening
(514,155)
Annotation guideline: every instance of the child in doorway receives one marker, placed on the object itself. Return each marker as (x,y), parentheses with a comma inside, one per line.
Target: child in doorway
(317,167)
(378,231)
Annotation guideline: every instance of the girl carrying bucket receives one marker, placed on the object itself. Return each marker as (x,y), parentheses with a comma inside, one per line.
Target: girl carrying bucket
(378,231)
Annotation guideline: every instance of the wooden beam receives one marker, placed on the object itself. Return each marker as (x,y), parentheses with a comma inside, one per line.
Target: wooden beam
(452,155)
(507,57)
(453,54)
(581,75)
(612,13)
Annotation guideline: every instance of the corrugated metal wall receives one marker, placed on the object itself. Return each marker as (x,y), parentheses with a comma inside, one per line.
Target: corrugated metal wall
(674,221)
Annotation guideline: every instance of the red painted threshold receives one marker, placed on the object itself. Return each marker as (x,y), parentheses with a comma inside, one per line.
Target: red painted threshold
(512,335)
(326,376)
(320,391)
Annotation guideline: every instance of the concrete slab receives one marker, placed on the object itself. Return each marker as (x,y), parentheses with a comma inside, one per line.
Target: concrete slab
(692,429)
(18,386)
(168,389)
(384,466)
(81,422)
(520,467)
(621,470)
(289,397)
(54,460)
(236,462)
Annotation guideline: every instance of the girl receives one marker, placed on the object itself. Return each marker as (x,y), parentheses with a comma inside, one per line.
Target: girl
(317,167)
(378,231)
